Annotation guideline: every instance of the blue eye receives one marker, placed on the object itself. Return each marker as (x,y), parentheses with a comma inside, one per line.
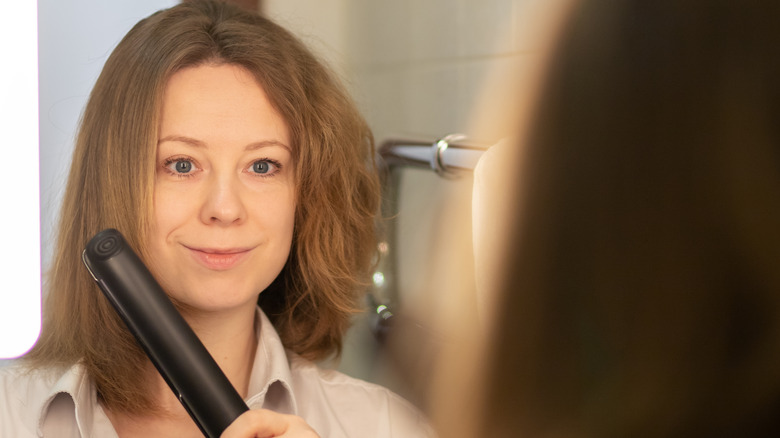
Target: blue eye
(265,167)
(262,167)
(183,166)
(180,167)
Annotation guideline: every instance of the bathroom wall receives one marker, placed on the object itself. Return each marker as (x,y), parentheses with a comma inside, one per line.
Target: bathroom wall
(415,67)
(422,69)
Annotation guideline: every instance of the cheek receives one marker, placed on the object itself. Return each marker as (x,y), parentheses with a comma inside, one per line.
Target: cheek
(276,213)
(290,211)
(171,208)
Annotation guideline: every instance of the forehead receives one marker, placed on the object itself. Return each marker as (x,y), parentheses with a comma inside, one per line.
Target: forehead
(221,103)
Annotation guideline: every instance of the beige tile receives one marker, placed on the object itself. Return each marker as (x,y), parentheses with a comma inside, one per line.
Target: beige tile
(379,32)
(383,102)
(435,25)
(488,27)
(433,92)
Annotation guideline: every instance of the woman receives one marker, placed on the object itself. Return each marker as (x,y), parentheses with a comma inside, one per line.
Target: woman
(241,172)
(639,294)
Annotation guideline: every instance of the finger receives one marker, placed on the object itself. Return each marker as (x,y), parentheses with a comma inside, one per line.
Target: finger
(262,423)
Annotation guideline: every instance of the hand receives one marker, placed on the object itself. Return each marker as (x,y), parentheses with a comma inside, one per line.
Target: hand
(262,423)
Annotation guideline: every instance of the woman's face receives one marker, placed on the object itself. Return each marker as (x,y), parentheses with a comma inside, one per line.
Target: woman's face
(224,199)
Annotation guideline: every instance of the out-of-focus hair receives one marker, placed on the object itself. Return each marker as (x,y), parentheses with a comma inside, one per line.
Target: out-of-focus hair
(640,290)
(112,176)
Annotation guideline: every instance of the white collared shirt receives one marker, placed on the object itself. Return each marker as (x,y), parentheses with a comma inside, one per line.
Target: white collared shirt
(64,404)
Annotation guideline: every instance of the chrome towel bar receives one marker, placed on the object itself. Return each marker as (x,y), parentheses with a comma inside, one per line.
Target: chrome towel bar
(444,156)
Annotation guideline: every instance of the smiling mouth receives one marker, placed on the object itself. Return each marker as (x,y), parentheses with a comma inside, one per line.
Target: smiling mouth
(219,259)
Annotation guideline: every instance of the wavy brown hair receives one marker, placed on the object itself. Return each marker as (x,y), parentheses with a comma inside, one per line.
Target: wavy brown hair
(111,185)
(640,291)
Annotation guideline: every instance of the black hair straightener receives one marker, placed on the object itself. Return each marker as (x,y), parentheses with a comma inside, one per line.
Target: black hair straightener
(162,332)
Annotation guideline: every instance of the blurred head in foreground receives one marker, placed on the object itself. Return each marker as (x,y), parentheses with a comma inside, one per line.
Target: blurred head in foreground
(640,290)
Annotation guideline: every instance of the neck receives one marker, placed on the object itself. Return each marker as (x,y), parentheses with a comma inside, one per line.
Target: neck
(229,336)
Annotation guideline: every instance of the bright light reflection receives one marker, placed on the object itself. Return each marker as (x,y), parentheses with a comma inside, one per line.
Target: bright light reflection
(379,279)
(20,269)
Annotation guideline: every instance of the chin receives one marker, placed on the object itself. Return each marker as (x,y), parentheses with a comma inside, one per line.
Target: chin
(215,299)
(204,306)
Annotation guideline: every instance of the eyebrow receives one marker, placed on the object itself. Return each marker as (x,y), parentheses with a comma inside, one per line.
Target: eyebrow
(199,144)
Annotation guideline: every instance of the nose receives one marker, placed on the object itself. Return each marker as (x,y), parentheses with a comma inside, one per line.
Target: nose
(223,204)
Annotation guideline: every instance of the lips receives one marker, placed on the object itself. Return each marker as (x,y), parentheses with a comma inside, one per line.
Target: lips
(219,259)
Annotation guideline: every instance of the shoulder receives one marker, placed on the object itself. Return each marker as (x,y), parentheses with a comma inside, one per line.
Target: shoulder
(20,387)
(23,393)
(339,405)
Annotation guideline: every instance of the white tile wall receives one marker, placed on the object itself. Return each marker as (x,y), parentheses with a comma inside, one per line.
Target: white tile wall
(420,68)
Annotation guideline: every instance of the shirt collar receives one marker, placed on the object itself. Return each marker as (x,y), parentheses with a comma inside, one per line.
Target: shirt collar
(72,396)
(270,383)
